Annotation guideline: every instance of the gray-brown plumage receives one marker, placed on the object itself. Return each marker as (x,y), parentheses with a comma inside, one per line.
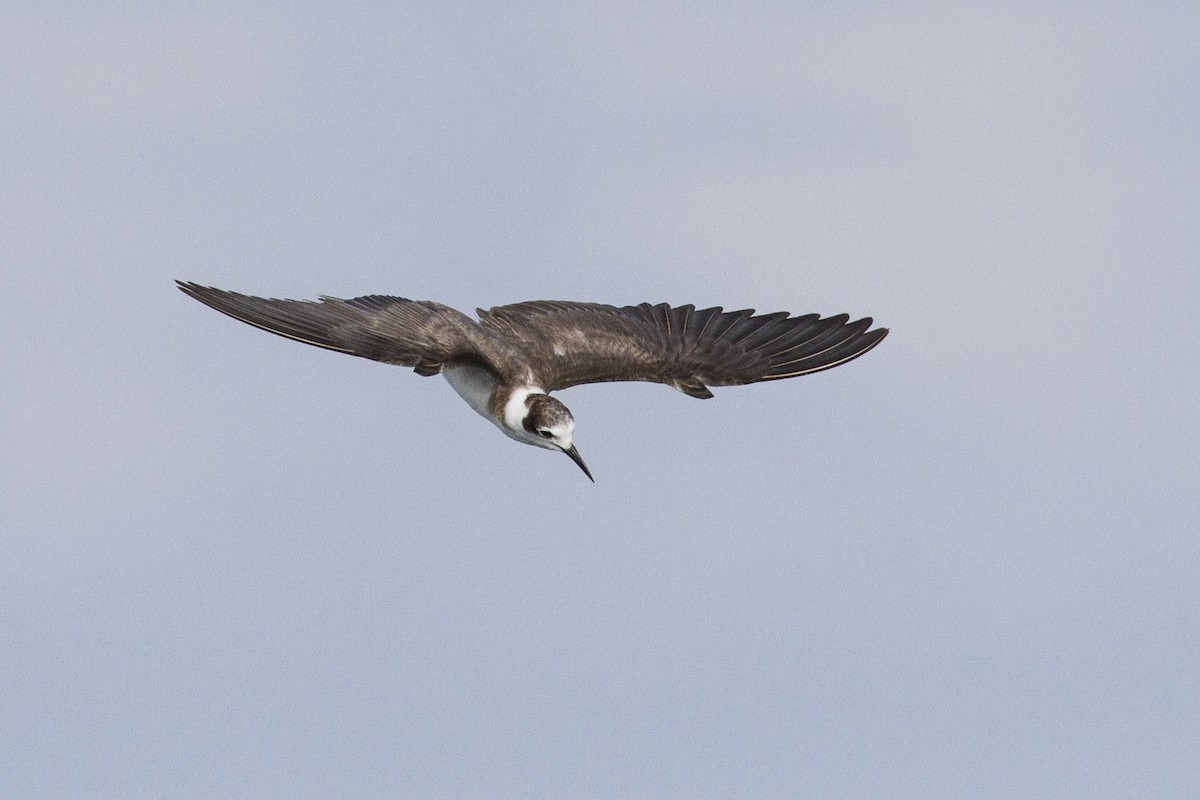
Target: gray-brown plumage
(410,333)
(517,353)
(573,343)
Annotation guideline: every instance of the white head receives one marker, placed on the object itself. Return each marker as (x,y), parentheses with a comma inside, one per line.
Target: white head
(549,424)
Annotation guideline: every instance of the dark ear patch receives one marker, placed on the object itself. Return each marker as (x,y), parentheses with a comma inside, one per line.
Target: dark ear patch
(532,402)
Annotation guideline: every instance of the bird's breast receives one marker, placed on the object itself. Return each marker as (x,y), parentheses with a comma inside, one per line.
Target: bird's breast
(476,385)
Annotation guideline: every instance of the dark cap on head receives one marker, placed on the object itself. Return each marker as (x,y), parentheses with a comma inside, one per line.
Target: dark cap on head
(545,412)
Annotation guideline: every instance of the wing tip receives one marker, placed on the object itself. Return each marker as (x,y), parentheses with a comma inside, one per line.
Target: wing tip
(199,291)
(857,345)
(196,291)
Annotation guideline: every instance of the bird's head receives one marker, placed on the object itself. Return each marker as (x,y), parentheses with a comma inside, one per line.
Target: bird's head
(551,426)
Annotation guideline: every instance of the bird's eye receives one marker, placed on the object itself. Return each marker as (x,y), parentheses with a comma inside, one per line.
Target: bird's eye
(545,434)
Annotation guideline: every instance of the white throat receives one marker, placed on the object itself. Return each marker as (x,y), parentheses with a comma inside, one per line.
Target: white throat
(515,409)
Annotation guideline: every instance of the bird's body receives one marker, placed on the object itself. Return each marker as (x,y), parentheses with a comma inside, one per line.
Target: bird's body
(503,405)
(506,364)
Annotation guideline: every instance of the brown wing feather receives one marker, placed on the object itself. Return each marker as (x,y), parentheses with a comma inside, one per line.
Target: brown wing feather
(395,330)
(574,343)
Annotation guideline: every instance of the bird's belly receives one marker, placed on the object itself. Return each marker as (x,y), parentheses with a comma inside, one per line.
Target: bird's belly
(475,385)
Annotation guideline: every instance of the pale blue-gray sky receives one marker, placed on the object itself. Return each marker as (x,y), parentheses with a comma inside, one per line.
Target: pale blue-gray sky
(963,566)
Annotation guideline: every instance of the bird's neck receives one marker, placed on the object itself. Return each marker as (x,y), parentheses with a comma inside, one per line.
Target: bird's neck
(503,404)
(510,404)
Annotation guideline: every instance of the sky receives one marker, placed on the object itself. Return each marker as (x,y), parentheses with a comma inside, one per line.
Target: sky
(964,565)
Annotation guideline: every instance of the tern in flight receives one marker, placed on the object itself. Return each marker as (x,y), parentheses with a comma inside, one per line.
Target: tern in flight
(506,364)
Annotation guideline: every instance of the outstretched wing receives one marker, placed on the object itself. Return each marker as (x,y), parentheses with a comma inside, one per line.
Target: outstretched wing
(574,343)
(395,330)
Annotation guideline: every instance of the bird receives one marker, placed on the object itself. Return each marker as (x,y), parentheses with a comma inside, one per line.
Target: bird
(506,364)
